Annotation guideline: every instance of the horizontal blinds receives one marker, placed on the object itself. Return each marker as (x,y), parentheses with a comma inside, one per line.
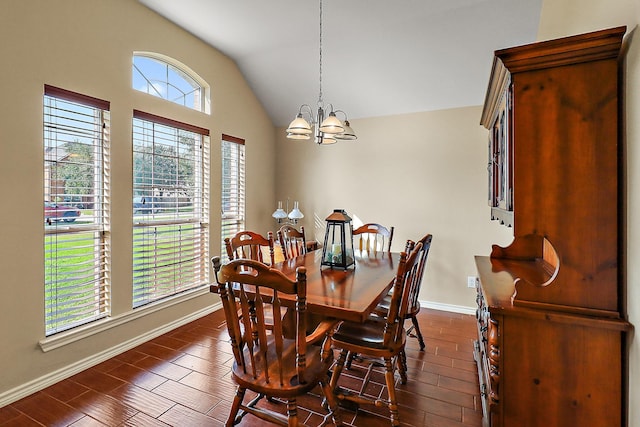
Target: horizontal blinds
(168,259)
(76,165)
(170,210)
(233,187)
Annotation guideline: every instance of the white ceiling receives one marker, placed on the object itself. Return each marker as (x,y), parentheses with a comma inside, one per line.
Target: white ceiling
(379,57)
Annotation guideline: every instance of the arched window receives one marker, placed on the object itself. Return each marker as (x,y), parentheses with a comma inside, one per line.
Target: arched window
(166,78)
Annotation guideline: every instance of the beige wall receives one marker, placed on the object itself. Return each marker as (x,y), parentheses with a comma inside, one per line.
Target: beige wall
(568,17)
(421,173)
(87,47)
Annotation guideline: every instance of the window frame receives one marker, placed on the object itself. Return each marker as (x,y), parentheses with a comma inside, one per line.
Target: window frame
(232,221)
(66,268)
(158,227)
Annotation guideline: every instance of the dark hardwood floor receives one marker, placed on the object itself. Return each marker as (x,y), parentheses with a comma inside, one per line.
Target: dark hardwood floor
(183,379)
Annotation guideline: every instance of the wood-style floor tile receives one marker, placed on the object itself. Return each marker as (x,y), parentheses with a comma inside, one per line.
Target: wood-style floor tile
(49,411)
(65,390)
(150,403)
(107,409)
(187,396)
(183,378)
(138,376)
(182,416)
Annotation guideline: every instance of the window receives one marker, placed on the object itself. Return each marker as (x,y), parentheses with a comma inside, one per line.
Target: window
(232,187)
(76,218)
(164,77)
(170,207)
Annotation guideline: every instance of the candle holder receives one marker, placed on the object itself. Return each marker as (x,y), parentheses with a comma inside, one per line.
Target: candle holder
(337,251)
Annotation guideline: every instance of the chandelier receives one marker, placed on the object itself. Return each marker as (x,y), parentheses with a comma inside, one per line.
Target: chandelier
(328,127)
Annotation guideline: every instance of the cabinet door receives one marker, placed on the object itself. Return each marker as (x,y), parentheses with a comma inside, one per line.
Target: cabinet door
(500,156)
(503,154)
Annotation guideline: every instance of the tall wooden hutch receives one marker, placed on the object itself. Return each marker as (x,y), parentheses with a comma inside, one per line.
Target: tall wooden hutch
(551,347)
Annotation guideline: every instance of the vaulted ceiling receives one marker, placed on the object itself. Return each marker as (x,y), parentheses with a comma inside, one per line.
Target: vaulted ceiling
(378,57)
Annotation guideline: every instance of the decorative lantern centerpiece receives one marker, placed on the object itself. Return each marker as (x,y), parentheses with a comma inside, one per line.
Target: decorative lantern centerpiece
(337,251)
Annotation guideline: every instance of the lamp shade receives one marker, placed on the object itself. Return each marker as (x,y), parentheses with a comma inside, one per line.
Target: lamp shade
(337,251)
(279,213)
(331,124)
(328,140)
(293,135)
(348,134)
(295,213)
(299,126)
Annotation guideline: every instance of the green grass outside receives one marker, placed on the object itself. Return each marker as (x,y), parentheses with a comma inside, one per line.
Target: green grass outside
(72,277)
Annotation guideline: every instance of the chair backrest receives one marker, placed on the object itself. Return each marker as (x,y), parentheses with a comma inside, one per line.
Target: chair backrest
(249,245)
(400,299)
(247,289)
(371,238)
(414,291)
(292,241)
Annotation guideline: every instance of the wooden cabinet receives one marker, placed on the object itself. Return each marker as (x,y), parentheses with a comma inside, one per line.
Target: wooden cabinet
(551,345)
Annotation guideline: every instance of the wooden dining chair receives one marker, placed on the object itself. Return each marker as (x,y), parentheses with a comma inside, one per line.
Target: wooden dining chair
(414,306)
(292,241)
(271,362)
(379,345)
(371,238)
(250,245)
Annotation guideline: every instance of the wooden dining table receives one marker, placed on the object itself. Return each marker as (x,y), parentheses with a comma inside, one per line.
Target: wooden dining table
(349,294)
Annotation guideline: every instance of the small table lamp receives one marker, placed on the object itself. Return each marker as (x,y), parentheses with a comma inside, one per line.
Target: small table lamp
(337,251)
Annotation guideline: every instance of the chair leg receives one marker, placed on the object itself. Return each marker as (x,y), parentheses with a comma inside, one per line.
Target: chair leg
(390,380)
(414,320)
(292,412)
(352,356)
(402,366)
(337,370)
(235,407)
(332,403)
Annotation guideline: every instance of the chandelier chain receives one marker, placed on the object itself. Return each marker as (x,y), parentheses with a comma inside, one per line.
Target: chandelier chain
(320,104)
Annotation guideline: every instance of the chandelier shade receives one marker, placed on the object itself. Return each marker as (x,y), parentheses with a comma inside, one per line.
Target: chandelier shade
(299,126)
(331,124)
(347,134)
(327,130)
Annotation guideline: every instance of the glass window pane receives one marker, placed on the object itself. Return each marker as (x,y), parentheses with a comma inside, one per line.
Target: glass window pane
(164,80)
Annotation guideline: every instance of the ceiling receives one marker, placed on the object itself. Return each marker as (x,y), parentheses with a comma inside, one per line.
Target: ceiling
(379,57)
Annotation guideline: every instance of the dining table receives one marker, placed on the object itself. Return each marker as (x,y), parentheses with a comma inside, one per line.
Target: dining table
(343,294)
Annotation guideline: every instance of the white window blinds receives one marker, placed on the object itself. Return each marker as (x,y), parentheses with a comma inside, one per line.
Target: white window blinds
(233,188)
(76,215)
(170,207)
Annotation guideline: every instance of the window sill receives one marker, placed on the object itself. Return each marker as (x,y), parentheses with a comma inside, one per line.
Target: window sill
(68,337)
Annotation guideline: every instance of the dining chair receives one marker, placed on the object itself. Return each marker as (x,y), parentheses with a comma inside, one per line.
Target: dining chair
(414,305)
(250,245)
(292,241)
(279,363)
(379,345)
(371,238)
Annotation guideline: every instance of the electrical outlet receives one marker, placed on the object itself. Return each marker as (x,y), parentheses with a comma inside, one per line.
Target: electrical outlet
(471,281)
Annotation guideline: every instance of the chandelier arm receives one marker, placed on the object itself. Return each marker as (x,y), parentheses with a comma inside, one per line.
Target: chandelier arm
(310,112)
(340,111)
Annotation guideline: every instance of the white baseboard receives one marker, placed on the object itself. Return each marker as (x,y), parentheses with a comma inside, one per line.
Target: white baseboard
(51,378)
(448,307)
